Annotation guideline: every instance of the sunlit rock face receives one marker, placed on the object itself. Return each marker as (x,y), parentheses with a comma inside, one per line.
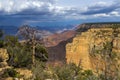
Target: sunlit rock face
(3,58)
(78,51)
(88,48)
(3,55)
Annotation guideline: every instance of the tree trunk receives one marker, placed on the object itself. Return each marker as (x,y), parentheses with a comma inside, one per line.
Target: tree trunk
(33,47)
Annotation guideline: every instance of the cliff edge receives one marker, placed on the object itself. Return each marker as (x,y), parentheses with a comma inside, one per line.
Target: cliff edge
(95,48)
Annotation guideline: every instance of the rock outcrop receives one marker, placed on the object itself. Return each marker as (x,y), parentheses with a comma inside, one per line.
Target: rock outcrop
(3,55)
(78,51)
(89,48)
(4,67)
(3,58)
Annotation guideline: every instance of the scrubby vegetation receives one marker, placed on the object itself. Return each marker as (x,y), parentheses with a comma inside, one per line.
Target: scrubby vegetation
(64,72)
(20,55)
(71,72)
(31,55)
(10,72)
(111,66)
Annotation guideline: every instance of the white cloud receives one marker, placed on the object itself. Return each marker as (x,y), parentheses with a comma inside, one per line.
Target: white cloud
(111,14)
(115,13)
(0,6)
(6,5)
(101,3)
(101,15)
(13,6)
(99,9)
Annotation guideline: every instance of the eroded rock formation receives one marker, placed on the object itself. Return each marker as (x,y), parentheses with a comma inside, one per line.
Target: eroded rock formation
(91,48)
(3,58)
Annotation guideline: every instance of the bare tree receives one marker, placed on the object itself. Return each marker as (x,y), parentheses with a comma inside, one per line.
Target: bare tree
(29,34)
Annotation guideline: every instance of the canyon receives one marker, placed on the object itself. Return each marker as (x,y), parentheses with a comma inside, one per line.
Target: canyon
(90,47)
(80,44)
(86,46)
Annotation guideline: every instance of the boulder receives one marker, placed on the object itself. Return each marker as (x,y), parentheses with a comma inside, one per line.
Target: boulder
(3,55)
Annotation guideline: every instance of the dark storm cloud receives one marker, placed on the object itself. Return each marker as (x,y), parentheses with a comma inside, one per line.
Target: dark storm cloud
(21,11)
(33,12)
(98,9)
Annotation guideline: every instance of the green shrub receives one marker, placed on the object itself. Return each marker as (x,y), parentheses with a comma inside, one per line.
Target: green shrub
(10,72)
(40,72)
(1,33)
(1,43)
(11,40)
(19,57)
(41,53)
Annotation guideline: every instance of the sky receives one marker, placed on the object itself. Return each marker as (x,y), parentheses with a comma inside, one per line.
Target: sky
(58,12)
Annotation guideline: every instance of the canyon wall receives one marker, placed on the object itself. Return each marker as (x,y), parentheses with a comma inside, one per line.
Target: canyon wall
(89,48)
